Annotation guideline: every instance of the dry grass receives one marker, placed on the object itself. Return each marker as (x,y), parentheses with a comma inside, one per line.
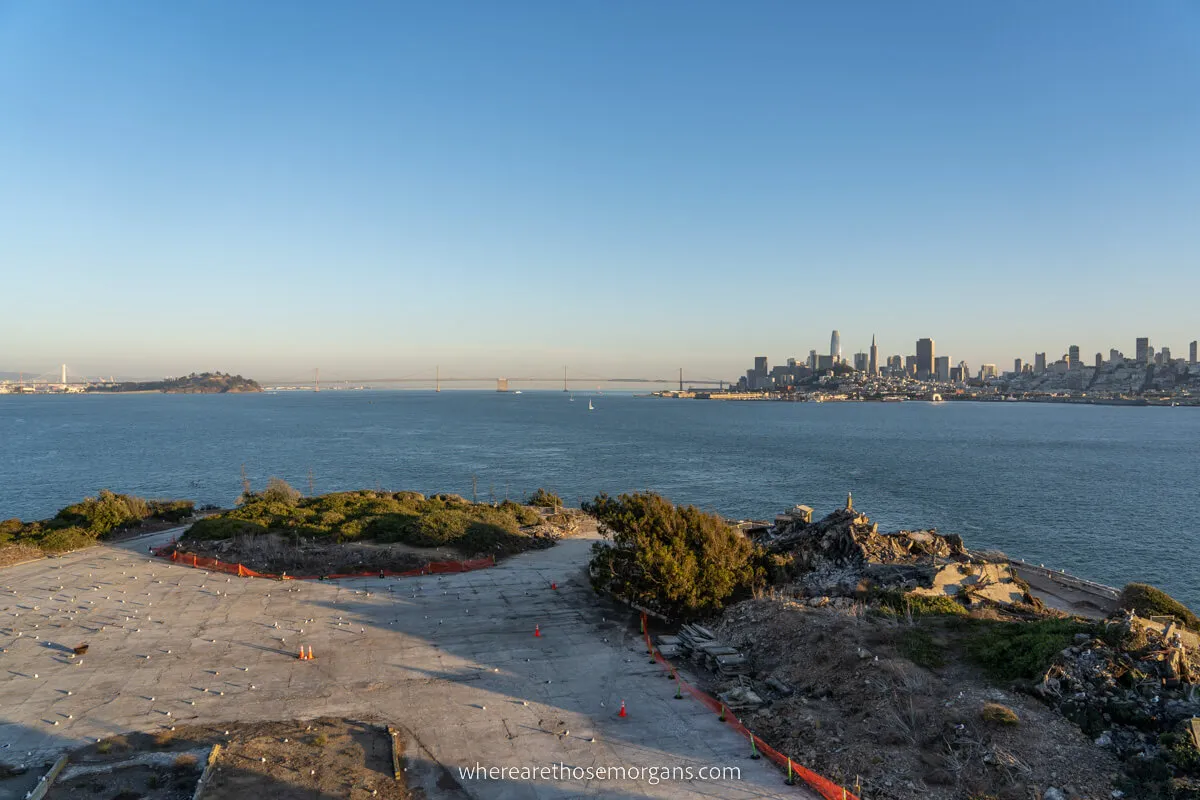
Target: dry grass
(185,762)
(999,714)
(11,554)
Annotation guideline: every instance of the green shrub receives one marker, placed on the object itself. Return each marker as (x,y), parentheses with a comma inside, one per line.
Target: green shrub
(279,491)
(223,527)
(998,714)
(171,510)
(524,515)
(62,540)
(894,602)
(545,499)
(105,513)
(680,560)
(1148,601)
(1019,650)
(919,647)
(440,527)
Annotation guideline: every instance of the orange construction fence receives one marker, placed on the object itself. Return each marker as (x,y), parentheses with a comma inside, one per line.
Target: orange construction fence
(216,565)
(823,786)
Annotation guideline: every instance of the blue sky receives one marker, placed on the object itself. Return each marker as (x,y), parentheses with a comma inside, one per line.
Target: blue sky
(624,187)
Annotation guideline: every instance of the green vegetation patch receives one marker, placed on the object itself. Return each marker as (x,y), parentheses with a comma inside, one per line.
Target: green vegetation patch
(896,603)
(442,520)
(1010,651)
(1148,601)
(81,524)
(677,559)
(919,647)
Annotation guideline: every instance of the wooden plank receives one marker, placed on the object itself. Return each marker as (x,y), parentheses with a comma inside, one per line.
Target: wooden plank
(393,734)
(213,755)
(44,784)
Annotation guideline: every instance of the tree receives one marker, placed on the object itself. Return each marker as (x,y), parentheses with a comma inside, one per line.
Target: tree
(679,560)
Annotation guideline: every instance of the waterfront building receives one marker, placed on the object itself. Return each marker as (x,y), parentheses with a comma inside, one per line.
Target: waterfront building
(1143,350)
(941,367)
(861,362)
(924,358)
(1039,363)
(835,346)
(1073,356)
(873,366)
(1192,353)
(1018,366)
(910,365)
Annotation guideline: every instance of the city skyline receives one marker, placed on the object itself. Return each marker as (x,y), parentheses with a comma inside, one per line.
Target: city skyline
(530,184)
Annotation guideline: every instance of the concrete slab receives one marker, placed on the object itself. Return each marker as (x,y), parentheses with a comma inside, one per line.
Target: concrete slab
(450,659)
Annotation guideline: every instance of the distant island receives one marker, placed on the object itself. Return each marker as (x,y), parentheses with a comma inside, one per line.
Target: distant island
(202,383)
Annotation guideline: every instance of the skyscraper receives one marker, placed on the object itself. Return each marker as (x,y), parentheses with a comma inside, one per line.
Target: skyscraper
(1018,366)
(895,364)
(1143,350)
(1039,363)
(861,361)
(1192,353)
(924,358)
(941,366)
(1099,360)
(873,367)
(1073,353)
(835,346)
(812,359)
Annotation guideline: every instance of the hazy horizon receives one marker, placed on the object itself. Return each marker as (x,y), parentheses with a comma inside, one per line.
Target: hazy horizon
(623,188)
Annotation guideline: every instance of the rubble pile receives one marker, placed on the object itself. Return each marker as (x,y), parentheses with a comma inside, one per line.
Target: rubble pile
(1128,689)
(836,554)
(699,643)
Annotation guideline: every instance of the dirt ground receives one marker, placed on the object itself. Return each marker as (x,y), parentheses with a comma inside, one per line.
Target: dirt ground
(861,711)
(320,759)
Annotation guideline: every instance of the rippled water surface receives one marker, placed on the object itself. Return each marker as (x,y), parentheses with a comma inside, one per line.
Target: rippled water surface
(1109,493)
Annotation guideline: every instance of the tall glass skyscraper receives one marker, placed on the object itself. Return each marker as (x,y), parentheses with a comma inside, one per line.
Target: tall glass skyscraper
(835,346)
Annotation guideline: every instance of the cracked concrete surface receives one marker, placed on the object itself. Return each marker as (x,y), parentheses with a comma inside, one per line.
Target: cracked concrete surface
(451,659)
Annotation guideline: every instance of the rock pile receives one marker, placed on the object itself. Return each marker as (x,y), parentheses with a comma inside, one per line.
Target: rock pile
(834,555)
(702,646)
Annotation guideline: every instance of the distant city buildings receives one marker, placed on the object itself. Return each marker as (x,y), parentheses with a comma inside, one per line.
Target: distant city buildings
(873,365)
(835,346)
(987,371)
(895,365)
(1143,350)
(1192,353)
(1073,357)
(941,368)
(910,365)
(1099,360)
(1039,363)
(861,361)
(1018,366)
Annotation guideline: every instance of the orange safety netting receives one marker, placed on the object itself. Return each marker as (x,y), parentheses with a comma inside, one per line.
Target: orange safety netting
(216,565)
(825,787)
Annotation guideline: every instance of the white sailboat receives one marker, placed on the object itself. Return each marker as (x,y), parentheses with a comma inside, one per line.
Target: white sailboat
(590,406)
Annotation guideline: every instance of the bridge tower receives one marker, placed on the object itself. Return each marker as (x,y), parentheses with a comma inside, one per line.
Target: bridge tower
(564,379)
(681,379)
(317,383)
(437,379)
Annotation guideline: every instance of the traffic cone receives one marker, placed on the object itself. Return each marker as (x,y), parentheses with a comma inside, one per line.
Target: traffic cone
(553,585)
(537,630)
(301,656)
(622,713)
(310,655)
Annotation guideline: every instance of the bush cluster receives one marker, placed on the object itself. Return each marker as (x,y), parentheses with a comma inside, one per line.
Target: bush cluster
(81,524)
(1148,601)
(1011,651)
(441,520)
(678,560)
